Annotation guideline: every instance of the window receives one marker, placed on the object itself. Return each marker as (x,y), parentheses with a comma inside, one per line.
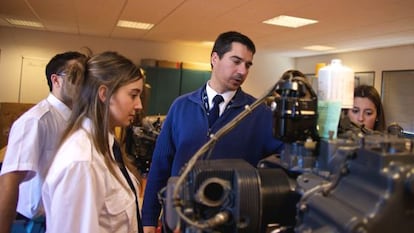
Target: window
(398,98)
(364,78)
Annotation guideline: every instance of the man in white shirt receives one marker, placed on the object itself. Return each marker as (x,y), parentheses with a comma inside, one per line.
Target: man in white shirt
(32,142)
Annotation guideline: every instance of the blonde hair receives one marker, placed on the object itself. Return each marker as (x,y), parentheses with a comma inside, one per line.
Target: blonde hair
(113,71)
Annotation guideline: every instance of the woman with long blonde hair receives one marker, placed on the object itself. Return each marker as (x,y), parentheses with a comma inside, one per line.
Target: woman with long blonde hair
(88,188)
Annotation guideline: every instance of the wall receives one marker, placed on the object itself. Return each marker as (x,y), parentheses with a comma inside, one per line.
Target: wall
(392,58)
(266,70)
(18,43)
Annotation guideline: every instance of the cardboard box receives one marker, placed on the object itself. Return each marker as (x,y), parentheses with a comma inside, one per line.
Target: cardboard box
(9,112)
(2,154)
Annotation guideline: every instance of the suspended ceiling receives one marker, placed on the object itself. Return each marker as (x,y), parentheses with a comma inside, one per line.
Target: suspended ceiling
(347,25)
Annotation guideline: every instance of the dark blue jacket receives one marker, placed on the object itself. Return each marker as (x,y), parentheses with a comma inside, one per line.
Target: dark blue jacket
(186,129)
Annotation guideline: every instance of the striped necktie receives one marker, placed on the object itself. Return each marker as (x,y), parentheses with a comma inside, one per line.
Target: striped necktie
(214,112)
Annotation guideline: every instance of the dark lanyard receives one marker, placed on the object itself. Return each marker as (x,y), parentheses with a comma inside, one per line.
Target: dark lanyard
(204,98)
(118,157)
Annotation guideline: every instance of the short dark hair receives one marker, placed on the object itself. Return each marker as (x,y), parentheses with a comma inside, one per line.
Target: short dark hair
(298,77)
(289,74)
(58,64)
(224,41)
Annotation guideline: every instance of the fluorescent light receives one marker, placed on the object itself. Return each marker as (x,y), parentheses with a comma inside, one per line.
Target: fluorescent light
(318,48)
(134,24)
(289,21)
(27,23)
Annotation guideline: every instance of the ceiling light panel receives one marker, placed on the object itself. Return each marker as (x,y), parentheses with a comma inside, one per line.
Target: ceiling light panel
(27,23)
(289,21)
(318,48)
(134,24)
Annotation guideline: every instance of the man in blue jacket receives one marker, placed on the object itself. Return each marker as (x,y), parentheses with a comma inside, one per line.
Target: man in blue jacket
(187,128)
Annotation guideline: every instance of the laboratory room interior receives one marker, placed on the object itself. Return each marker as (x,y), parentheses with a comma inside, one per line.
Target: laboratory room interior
(337,45)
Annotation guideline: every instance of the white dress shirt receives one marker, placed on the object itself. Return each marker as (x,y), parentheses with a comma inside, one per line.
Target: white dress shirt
(31,146)
(227,96)
(80,194)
